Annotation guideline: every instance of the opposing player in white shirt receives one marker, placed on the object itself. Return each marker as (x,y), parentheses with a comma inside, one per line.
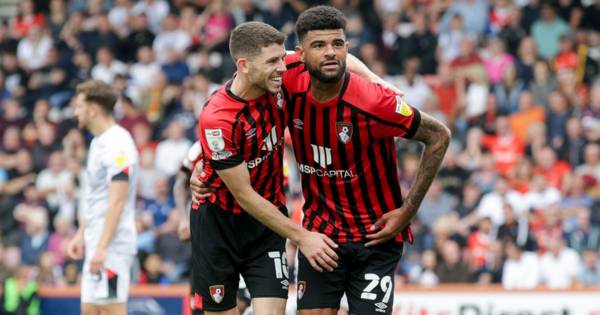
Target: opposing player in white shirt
(107,226)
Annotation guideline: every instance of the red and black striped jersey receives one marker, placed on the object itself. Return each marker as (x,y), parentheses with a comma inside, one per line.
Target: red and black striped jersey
(346,153)
(233,130)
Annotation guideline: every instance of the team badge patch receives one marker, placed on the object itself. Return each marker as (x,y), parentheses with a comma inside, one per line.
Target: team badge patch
(402,108)
(301,289)
(217,293)
(344,132)
(214,137)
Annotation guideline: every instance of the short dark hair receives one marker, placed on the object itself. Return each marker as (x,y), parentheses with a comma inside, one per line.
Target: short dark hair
(247,39)
(321,17)
(98,92)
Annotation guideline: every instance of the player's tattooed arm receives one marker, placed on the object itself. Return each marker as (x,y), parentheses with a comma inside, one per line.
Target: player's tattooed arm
(436,137)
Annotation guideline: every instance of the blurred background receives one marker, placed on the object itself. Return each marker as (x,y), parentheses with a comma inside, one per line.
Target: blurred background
(515,204)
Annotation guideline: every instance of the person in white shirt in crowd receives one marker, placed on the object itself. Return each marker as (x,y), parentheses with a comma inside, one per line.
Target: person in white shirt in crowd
(521,269)
(107,67)
(155,10)
(33,49)
(172,150)
(106,236)
(540,195)
(411,83)
(143,73)
(560,265)
(492,203)
(51,181)
(590,272)
(119,16)
(171,38)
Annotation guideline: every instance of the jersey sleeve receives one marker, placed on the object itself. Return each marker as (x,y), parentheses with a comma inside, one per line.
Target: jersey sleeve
(218,138)
(119,160)
(392,116)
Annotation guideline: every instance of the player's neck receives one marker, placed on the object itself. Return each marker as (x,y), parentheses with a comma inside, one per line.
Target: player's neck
(324,92)
(242,87)
(101,125)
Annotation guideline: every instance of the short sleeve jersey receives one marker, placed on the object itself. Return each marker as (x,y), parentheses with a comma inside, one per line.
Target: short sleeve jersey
(346,153)
(234,130)
(112,156)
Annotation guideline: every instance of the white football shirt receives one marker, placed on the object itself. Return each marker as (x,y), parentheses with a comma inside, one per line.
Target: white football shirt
(111,153)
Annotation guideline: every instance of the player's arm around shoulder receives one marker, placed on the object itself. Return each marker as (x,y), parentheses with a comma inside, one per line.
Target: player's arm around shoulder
(318,248)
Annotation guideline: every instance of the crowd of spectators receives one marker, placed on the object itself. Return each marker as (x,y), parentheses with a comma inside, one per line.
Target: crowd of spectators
(516,202)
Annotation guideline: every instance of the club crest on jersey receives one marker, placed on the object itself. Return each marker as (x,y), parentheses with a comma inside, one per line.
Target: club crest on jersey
(279,100)
(217,293)
(301,289)
(402,108)
(344,132)
(214,137)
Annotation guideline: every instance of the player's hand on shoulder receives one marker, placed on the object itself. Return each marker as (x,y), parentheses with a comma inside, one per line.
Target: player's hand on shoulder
(75,247)
(389,225)
(319,250)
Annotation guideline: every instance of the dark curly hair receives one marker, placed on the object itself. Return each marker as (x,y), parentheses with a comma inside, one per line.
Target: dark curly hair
(321,17)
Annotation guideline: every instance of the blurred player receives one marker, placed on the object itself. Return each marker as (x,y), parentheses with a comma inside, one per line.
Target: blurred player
(107,222)
(241,134)
(346,155)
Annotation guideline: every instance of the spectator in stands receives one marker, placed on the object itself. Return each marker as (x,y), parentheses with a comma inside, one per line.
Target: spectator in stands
(590,273)
(52,180)
(508,91)
(437,202)
(516,229)
(161,205)
(35,240)
(560,265)
(547,31)
(155,10)
(453,176)
(498,59)
(425,272)
(108,67)
(171,38)
(492,203)
(506,147)
(522,269)
(171,151)
(142,73)
(139,36)
(57,243)
(26,19)
(550,167)
(528,114)
(541,194)
(585,236)
(153,271)
(19,293)
(451,268)
(33,49)
(473,12)
(174,68)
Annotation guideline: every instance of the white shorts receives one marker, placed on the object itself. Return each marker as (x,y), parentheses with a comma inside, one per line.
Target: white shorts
(112,285)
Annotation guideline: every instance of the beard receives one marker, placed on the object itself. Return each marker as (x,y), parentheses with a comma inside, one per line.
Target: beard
(325,78)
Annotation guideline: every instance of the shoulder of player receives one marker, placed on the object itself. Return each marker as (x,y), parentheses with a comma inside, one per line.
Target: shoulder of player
(365,95)
(220,108)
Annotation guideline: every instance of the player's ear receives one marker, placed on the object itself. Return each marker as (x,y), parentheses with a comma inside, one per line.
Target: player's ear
(242,65)
(300,52)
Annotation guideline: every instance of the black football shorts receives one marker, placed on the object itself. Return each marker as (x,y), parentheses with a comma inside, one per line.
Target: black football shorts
(365,274)
(227,245)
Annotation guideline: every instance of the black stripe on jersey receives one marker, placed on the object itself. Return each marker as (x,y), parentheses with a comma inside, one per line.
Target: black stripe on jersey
(358,157)
(349,192)
(415,124)
(335,194)
(267,109)
(389,148)
(312,112)
(375,172)
(300,134)
(294,65)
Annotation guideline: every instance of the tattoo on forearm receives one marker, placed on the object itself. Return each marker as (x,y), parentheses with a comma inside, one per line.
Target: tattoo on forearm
(436,138)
